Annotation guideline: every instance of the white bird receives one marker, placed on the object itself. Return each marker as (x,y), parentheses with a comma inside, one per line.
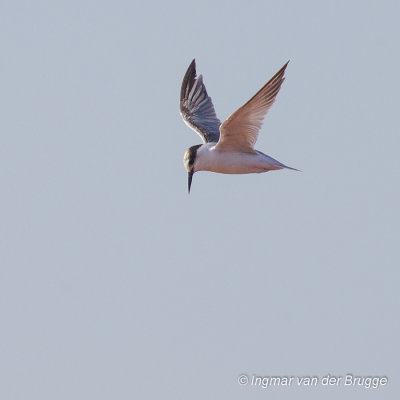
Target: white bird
(227,148)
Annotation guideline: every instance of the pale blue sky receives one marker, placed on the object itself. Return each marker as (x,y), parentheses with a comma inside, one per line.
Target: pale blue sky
(115,283)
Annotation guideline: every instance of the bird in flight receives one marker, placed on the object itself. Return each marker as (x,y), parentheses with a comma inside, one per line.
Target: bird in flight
(227,148)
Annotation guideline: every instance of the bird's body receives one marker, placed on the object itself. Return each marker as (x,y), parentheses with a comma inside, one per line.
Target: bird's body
(229,147)
(208,158)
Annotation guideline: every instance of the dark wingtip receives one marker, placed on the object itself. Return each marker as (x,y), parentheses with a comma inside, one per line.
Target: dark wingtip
(188,79)
(284,66)
(282,70)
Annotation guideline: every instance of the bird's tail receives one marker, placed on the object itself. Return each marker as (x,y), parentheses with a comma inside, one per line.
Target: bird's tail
(293,169)
(276,164)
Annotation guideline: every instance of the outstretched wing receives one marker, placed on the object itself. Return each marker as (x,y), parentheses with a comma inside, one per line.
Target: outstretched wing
(240,131)
(196,107)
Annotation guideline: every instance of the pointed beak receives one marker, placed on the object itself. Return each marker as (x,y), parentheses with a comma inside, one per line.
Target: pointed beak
(190,176)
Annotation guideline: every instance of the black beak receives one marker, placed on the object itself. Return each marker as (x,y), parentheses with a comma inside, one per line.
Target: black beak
(190,176)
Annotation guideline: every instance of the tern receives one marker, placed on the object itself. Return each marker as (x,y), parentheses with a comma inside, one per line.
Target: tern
(227,148)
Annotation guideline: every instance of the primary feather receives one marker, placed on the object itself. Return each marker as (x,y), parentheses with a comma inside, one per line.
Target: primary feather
(240,131)
(196,107)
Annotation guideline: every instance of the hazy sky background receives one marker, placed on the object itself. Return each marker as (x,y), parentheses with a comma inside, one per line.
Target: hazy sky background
(114,283)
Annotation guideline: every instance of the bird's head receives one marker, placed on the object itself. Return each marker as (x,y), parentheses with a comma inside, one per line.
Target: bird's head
(189,160)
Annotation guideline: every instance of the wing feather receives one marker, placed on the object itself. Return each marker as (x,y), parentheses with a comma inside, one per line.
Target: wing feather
(240,131)
(196,106)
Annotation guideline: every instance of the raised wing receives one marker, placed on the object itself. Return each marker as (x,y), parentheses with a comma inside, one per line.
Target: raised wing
(196,107)
(240,131)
